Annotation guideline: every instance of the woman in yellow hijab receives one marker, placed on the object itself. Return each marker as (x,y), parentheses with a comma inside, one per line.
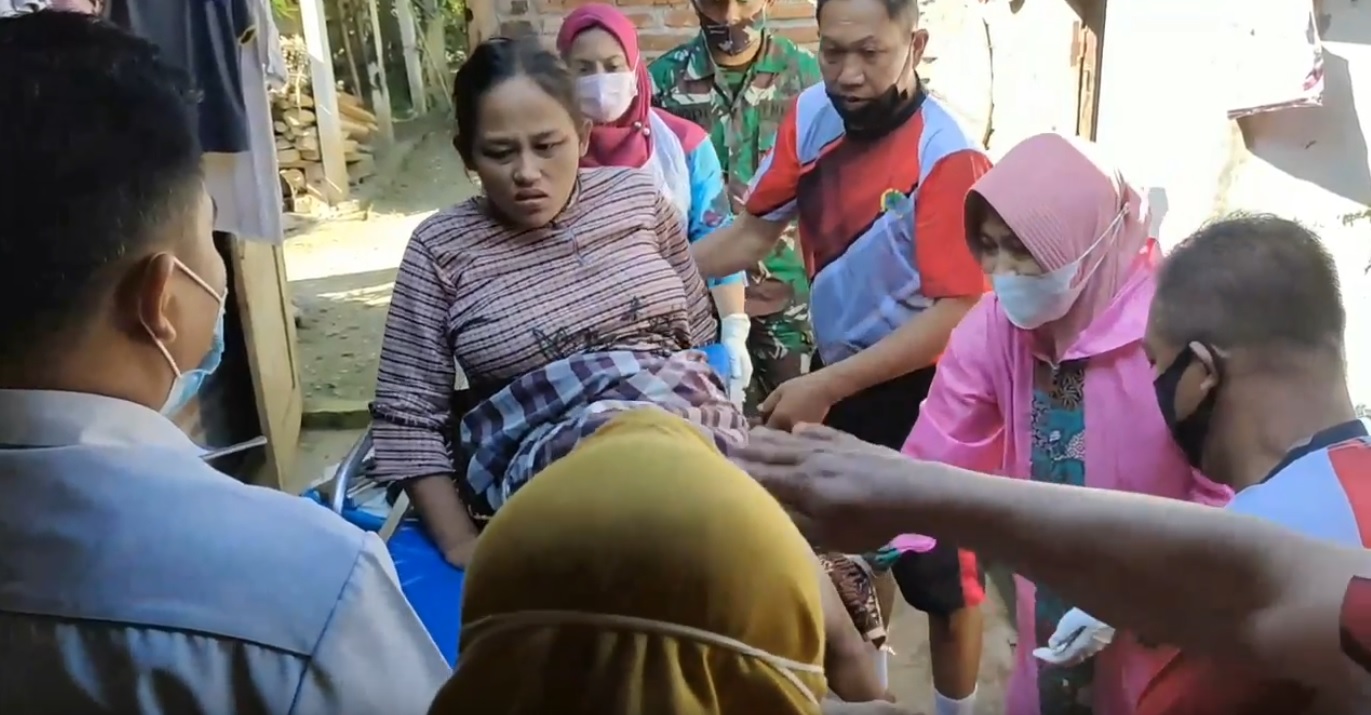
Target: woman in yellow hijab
(642,574)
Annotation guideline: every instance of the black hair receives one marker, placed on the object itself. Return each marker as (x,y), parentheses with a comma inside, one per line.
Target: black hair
(975,211)
(1251,281)
(906,10)
(497,60)
(98,144)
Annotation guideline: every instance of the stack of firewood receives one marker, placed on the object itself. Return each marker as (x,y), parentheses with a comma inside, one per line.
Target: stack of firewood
(299,148)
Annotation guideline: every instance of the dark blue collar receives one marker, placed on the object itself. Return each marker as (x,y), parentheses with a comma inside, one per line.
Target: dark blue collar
(1323,439)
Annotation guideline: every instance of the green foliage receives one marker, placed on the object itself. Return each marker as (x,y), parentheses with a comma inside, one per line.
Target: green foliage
(285,8)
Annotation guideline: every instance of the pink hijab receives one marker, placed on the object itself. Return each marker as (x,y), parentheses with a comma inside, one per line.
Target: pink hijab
(1059,196)
(625,141)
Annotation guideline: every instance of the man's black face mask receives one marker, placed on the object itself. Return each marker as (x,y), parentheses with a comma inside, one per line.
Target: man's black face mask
(887,110)
(1192,431)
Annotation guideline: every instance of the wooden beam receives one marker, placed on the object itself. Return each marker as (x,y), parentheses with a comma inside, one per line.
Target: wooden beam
(1089,57)
(376,71)
(414,65)
(314,22)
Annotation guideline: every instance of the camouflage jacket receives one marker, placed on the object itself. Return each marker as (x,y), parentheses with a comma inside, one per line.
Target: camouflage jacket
(742,125)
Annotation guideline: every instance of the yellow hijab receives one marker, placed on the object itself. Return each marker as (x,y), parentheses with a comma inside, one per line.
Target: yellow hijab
(642,574)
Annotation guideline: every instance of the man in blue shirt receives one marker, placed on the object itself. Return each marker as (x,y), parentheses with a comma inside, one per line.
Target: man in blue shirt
(133,577)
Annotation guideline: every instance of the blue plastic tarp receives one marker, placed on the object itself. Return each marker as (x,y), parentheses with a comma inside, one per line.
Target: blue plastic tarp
(433,587)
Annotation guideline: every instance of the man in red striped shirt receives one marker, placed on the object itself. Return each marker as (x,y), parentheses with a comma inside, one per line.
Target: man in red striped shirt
(1246,332)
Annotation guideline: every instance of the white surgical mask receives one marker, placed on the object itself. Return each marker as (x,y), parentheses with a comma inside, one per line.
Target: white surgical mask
(605,97)
(1031,302)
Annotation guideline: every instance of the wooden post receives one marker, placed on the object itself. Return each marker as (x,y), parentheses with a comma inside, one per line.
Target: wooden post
(315,25)
(414,66)
(263,296)
(376,71)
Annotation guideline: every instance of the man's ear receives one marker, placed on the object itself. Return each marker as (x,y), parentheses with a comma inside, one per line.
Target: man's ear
(1212,361)
(151,296)
(919,43)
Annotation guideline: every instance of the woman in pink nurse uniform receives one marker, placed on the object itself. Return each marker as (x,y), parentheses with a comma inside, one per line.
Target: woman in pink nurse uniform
(1045,379)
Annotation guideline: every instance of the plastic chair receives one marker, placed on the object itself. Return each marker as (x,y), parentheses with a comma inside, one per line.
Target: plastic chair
(432,585)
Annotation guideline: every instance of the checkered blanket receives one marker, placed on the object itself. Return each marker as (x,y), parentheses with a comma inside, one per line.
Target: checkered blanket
(544,414)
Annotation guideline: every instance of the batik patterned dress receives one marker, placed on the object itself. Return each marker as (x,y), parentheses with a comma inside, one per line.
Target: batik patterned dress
(1058,457)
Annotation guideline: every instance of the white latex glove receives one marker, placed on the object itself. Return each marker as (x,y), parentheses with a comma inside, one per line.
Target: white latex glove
(1078,638)
(733,330)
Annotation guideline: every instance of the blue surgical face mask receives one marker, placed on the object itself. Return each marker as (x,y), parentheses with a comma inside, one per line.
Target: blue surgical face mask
(186,384)
(1031,302)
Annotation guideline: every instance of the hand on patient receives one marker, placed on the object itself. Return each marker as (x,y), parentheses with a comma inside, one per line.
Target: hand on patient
(838,489)
(1078,638)
(800,400)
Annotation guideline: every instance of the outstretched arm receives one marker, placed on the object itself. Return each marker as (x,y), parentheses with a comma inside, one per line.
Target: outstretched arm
(770,207)
(1183,574)
(1188,575)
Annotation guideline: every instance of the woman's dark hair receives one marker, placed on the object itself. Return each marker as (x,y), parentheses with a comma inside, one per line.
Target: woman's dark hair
(497,60)
(977,210)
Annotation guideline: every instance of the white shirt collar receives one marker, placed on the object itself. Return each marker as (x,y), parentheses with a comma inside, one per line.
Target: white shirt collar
(51,418)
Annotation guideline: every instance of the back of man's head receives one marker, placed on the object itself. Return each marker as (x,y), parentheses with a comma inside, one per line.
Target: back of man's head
(1254,284)
(102,170)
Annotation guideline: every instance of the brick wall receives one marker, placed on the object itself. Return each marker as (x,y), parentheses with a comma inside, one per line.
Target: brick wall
(662,24)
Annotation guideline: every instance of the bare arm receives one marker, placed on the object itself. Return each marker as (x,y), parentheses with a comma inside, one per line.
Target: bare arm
(737,246)
(912,346)
(729,299)
(414,390)
(768,208)
(1181,573)
(443,515)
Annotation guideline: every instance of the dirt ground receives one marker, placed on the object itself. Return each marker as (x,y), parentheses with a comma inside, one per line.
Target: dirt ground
(342,273)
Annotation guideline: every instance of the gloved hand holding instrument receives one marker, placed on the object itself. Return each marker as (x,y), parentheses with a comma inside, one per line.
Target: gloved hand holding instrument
(1078,637)
(733,332)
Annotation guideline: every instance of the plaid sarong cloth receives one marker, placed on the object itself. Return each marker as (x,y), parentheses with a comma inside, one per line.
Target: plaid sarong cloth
(544,414)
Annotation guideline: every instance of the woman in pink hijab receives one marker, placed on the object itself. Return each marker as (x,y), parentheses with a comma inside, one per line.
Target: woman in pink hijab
(1045,379)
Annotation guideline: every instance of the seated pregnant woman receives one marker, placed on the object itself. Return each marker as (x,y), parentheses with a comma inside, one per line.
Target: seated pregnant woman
(564,295)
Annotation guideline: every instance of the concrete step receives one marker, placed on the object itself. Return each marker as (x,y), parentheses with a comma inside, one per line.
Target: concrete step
(335,414)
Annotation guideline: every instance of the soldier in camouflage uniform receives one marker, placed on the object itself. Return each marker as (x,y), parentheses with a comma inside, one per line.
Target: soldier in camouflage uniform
(736,80)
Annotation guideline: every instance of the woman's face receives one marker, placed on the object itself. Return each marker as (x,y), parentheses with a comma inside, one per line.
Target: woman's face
(1001,251)
(595,51)
(526,151)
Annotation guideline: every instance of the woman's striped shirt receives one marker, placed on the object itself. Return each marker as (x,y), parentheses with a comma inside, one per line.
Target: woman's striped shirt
(478,297)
